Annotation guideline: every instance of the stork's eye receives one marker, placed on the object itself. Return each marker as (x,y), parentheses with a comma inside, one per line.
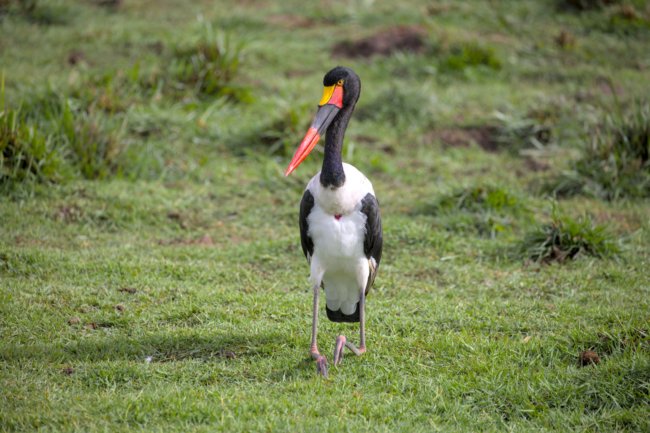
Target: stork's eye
(340,83)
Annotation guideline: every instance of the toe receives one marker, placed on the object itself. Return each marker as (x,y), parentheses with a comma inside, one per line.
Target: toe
(321,365)
(338,349)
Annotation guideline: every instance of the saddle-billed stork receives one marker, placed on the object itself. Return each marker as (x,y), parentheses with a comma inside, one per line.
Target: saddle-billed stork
(340,223)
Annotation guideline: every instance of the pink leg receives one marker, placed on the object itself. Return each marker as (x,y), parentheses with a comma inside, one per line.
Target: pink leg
(342,342)
(321,361)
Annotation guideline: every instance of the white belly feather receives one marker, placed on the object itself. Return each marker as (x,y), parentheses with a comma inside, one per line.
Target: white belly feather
(339,261)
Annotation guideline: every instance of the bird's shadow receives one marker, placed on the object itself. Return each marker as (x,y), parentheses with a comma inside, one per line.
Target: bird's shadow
(163,348)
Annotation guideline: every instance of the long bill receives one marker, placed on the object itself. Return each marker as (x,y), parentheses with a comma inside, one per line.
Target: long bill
(331,103)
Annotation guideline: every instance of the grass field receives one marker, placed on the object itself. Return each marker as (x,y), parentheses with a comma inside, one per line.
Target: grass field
(151,276)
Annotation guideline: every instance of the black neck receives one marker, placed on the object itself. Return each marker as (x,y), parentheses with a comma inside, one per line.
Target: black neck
(332,174)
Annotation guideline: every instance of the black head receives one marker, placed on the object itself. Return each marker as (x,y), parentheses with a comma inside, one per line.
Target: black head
(340,94)
(351,83)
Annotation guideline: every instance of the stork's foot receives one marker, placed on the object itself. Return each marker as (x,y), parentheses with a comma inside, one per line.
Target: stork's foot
(342,342)
(321,362)
(338,349)
(321,365)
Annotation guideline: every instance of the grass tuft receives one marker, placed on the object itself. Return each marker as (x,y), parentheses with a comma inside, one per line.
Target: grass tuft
(566,238)
(469,55)
(209,66)
(117,90)
(55,138)
(615,163)
(479,199)
(26,154)
(516,132)
(95,146)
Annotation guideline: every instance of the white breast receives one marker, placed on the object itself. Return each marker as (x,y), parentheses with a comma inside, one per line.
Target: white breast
(339,261)
(344,199)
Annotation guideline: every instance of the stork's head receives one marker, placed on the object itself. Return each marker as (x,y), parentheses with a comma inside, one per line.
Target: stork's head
(341,91)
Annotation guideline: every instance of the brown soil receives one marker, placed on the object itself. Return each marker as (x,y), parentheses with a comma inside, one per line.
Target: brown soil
(565,39)
(607,87)
(583,5)
(589,357)
(620,222)
(227,354)
(205,240)
(157,47)
(112,4)
(69,214)
(535,165)
(95,325)
(75,57)
(176,216)
(484,136)
(383,43)
(291,21)
(130,290)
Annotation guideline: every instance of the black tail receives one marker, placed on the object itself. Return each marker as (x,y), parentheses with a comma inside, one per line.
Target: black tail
(338,316)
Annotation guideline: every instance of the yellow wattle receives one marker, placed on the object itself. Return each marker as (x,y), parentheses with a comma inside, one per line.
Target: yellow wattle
(328,91)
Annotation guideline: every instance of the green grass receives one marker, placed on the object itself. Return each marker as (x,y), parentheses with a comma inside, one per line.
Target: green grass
(151,277)
(565,238)
(616,159)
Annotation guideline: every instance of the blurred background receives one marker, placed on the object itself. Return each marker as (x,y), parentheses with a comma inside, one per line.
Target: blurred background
(156,90)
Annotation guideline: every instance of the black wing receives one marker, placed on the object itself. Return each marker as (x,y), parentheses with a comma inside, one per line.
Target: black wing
(373,242)
(306,205)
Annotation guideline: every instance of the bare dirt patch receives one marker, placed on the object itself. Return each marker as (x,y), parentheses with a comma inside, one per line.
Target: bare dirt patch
(484,136)
(109,4)
(565,39)
(157,47)
(129,290)
(75,57)
(205,240)
(384,43)
(536,165)
(588,357)
(69,213)
(288,21)
(607,87)
(621,222)
(179,218)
